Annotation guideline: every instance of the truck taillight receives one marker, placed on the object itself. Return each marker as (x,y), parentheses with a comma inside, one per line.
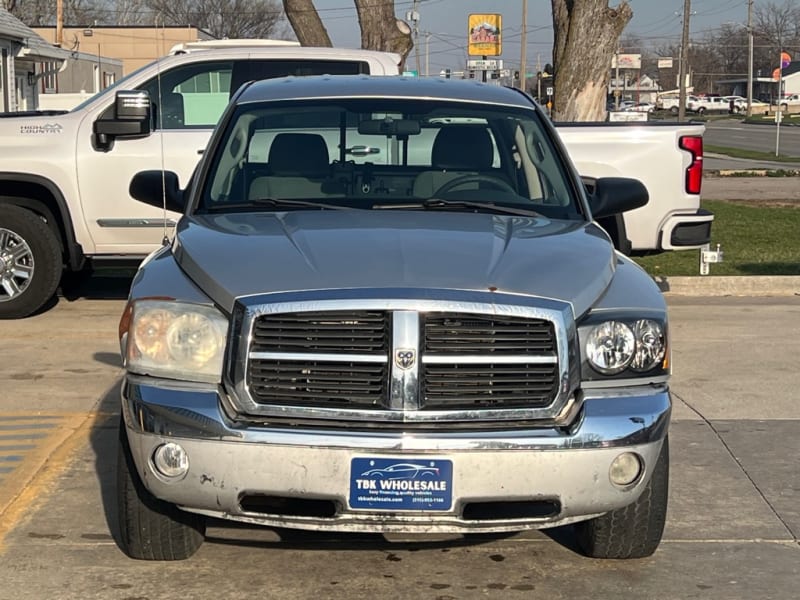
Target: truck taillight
(694,172)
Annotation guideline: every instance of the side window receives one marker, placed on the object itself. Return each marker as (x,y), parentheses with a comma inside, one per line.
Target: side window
(190,96)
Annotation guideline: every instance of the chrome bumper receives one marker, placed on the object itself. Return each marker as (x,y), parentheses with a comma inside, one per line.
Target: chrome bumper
(228,461)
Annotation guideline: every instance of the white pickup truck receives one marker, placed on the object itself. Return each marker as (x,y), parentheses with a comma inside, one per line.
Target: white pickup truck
(64,178)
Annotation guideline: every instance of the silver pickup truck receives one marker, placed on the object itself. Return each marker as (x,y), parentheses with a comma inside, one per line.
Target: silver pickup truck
(415,325)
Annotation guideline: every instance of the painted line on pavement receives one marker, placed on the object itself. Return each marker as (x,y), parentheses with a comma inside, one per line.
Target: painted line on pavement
(27,468)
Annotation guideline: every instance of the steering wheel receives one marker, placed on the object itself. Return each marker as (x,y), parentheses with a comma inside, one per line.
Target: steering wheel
(498,183)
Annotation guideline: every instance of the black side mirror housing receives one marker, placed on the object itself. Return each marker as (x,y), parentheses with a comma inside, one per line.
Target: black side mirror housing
(610,196)
(159,189)
(131,119)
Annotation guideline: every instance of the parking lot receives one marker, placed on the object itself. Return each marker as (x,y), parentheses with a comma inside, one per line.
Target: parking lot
(732,527)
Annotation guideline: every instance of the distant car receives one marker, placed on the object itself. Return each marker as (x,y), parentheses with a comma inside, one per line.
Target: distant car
(403,471)
(647,107)
(790,100)
(740,103)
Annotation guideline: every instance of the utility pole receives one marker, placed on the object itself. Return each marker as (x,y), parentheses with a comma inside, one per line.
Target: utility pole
(749,58)
(415,19)
(687,10)
(524,46)
(59,22)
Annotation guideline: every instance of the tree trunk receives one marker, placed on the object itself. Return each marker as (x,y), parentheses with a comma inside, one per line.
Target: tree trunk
(586,34)
(381,30)
(306,23)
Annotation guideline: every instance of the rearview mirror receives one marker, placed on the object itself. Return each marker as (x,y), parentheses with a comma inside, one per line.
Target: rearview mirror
(613,195)
(157,188)
(389,127)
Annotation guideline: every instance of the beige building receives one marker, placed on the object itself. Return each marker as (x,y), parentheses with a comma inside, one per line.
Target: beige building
(134,46)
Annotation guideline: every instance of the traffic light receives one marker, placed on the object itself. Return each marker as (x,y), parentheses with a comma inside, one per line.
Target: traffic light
(447,73)
(516,75)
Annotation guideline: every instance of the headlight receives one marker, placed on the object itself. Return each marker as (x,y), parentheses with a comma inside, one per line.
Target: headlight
(613,346)
(610,347)
(651,345)
(175,340)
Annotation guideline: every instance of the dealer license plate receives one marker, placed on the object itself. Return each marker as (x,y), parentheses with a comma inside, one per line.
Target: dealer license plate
(404,483)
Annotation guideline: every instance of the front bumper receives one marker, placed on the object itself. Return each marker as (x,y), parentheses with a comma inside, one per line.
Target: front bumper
(546,477)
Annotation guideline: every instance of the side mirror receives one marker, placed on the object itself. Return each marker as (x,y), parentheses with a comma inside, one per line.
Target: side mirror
(131,119)
(613,195)
(157,188)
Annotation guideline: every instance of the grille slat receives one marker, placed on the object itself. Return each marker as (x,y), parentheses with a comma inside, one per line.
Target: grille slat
(308,383)
(456,333)
(345,331)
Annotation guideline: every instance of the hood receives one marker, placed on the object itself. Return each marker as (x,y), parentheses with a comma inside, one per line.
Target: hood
(244,254)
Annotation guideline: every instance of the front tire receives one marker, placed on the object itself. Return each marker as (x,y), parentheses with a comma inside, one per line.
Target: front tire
(151,529)
(633,531)
(30,262)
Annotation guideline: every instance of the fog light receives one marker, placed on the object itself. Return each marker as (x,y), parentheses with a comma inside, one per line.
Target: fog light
(625,469)
(171,460)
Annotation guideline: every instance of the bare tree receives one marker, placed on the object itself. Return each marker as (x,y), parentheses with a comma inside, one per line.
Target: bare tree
(305,22)
(40,13)
(582,68)
(380,29)
(222,18)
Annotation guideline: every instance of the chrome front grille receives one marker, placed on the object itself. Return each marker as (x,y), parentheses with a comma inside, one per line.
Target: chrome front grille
(407,361)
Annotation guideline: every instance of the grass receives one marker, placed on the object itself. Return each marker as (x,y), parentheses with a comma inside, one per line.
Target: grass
(751,154)
(757,239)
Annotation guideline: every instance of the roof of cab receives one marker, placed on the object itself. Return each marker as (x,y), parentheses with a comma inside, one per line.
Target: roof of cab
(363,86)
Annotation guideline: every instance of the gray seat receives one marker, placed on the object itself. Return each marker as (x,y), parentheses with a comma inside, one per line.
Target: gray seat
(299,166)
(458,150)
(172,111)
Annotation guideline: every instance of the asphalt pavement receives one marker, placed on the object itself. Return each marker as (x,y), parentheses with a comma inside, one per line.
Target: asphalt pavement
(733,520)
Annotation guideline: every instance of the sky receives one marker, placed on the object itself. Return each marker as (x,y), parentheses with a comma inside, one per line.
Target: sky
(656,22)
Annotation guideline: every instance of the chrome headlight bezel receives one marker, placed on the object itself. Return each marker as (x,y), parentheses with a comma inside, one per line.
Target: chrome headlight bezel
(647,329)
(174,340)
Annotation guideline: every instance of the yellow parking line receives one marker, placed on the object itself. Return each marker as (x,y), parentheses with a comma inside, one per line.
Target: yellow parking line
(54,438)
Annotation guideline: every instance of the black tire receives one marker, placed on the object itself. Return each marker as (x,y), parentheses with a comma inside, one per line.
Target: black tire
(701,111)
(149,528)
(633,531)
(44,257)
(674,110)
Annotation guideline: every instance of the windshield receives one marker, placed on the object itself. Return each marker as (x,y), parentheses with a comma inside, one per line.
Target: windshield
(388,154)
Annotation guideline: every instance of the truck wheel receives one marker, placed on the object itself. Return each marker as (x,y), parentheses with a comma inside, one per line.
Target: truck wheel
(674,110)
(633,531)
(30,262)
(151,529)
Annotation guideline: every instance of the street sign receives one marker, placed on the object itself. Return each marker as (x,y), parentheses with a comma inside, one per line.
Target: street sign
(485,64)
(410,74)
(549,91)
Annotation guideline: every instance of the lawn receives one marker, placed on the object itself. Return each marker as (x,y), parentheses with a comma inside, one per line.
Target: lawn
(757,239)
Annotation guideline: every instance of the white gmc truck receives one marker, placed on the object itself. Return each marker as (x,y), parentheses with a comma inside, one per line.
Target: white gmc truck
(64,178)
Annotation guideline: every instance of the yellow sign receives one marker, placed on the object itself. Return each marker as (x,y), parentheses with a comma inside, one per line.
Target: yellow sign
(485,35)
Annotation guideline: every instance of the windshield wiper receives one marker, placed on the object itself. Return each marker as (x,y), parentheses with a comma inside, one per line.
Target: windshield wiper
(277,203)
(439,203)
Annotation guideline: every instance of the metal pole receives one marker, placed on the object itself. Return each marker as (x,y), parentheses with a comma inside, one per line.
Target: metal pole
(778,111)
(687,9)
(524,46)
(416,35)
(749,58)
(616,83)
(427,54)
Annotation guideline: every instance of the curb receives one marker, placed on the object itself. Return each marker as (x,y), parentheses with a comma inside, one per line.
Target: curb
(723,285)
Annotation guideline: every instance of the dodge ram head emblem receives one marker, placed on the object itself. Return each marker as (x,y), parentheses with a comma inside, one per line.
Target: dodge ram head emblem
(404,358)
